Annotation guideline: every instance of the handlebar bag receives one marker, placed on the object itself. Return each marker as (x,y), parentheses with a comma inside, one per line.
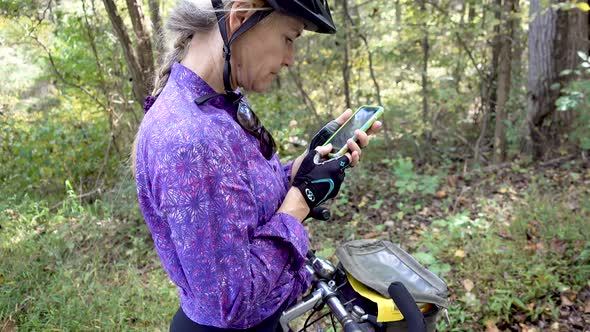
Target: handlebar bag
(377,264)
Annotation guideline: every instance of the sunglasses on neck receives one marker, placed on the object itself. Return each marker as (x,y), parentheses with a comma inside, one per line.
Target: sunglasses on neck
(248,120)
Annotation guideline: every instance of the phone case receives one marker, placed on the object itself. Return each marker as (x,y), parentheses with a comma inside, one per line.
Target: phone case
(364,128)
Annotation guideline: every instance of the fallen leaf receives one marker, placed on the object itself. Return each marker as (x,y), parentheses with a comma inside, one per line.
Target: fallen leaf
(363,202)
(555,326)
(558,245)
(520,317)
(526,328)
(587,307)
(441,194)
(531,305)
(371,235)
(425,212)
(460,253)
(504,234)
(491,326)
(8,325)
(566,301)
(468,284)
(452,181)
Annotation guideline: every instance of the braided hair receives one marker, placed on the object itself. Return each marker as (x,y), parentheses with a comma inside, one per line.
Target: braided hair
(189,17)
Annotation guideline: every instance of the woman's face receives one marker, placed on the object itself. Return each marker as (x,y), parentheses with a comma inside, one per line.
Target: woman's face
(260,53)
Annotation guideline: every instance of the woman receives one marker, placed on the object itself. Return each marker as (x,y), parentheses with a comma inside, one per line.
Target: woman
(224,214)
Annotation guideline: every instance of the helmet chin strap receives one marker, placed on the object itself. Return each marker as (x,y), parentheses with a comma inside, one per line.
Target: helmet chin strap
(221,19)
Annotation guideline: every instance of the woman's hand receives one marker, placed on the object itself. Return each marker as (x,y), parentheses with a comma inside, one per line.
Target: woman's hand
(315,182)
(353,147)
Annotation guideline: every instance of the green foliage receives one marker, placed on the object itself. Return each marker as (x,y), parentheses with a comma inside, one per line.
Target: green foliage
(85,270)
(575,96)
(407,181)
(545,253)
(63,104)
(43,149)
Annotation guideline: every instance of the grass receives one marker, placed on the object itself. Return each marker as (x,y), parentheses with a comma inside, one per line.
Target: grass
(93,267)
(79,270)
(519,269)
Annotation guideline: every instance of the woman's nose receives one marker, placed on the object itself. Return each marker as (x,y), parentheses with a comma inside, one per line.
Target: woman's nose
(289,58)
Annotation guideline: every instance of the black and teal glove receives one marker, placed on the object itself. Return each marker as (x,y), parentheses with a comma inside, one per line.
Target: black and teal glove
(319,181)
(322,136)
(319,139)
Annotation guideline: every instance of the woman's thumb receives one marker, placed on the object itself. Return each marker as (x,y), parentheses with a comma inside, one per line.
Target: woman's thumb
(324,150)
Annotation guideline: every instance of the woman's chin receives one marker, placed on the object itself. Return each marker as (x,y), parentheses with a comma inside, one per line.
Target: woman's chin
(261,87)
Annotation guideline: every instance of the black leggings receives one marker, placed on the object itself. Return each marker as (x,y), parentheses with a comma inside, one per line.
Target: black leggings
(181,323)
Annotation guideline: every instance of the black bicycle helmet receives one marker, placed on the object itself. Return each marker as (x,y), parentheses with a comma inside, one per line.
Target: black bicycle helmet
(314,13)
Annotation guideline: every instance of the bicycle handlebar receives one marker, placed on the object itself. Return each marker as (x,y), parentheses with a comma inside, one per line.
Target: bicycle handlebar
(329,296)
(321,271)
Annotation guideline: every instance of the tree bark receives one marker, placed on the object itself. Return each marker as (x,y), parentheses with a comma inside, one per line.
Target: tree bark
(554,39)
(154,8)
(144,53)
(571,36)
(504,80)
(139,84)
(345,63)
(496,45)
(425,110)
(541,73)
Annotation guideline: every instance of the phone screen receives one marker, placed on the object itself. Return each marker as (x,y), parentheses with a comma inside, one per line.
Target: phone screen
(357,121)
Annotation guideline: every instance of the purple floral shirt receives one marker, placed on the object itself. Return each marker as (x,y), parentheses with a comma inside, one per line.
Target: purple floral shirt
(210,198)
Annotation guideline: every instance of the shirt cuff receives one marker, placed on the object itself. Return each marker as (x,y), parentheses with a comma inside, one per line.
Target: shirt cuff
(297,235)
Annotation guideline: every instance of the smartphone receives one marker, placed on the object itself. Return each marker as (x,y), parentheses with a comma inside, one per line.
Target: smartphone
(362,119)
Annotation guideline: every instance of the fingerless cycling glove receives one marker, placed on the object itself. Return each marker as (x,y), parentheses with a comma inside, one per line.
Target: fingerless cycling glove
(320,181)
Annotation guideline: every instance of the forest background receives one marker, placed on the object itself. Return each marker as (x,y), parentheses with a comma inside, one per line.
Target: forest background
(481,171)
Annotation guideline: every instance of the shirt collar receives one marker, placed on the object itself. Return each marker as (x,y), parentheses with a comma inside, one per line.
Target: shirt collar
(196,86)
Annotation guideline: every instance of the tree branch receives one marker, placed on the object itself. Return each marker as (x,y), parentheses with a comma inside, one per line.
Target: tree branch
(306,98)
(59,75)
(140,89)
(145,54)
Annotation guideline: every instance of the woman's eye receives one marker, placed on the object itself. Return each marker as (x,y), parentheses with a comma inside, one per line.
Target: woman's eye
(289,40)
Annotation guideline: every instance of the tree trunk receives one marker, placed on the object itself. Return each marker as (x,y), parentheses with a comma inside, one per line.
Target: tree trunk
(144,53)
(345,63)
(425,109)
(554,39)
(398,14)
(139,84)
(471,12)
(571,36)
(518,47)
(496,45)
(504,81)
(154,7)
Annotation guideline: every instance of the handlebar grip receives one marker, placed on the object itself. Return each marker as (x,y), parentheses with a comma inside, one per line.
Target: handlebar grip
(320,213)
(407,305)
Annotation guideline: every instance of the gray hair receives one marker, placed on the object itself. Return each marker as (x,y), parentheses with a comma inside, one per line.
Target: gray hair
(187,18)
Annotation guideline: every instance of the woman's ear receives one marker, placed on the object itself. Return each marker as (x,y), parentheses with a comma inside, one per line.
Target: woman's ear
(240,11)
